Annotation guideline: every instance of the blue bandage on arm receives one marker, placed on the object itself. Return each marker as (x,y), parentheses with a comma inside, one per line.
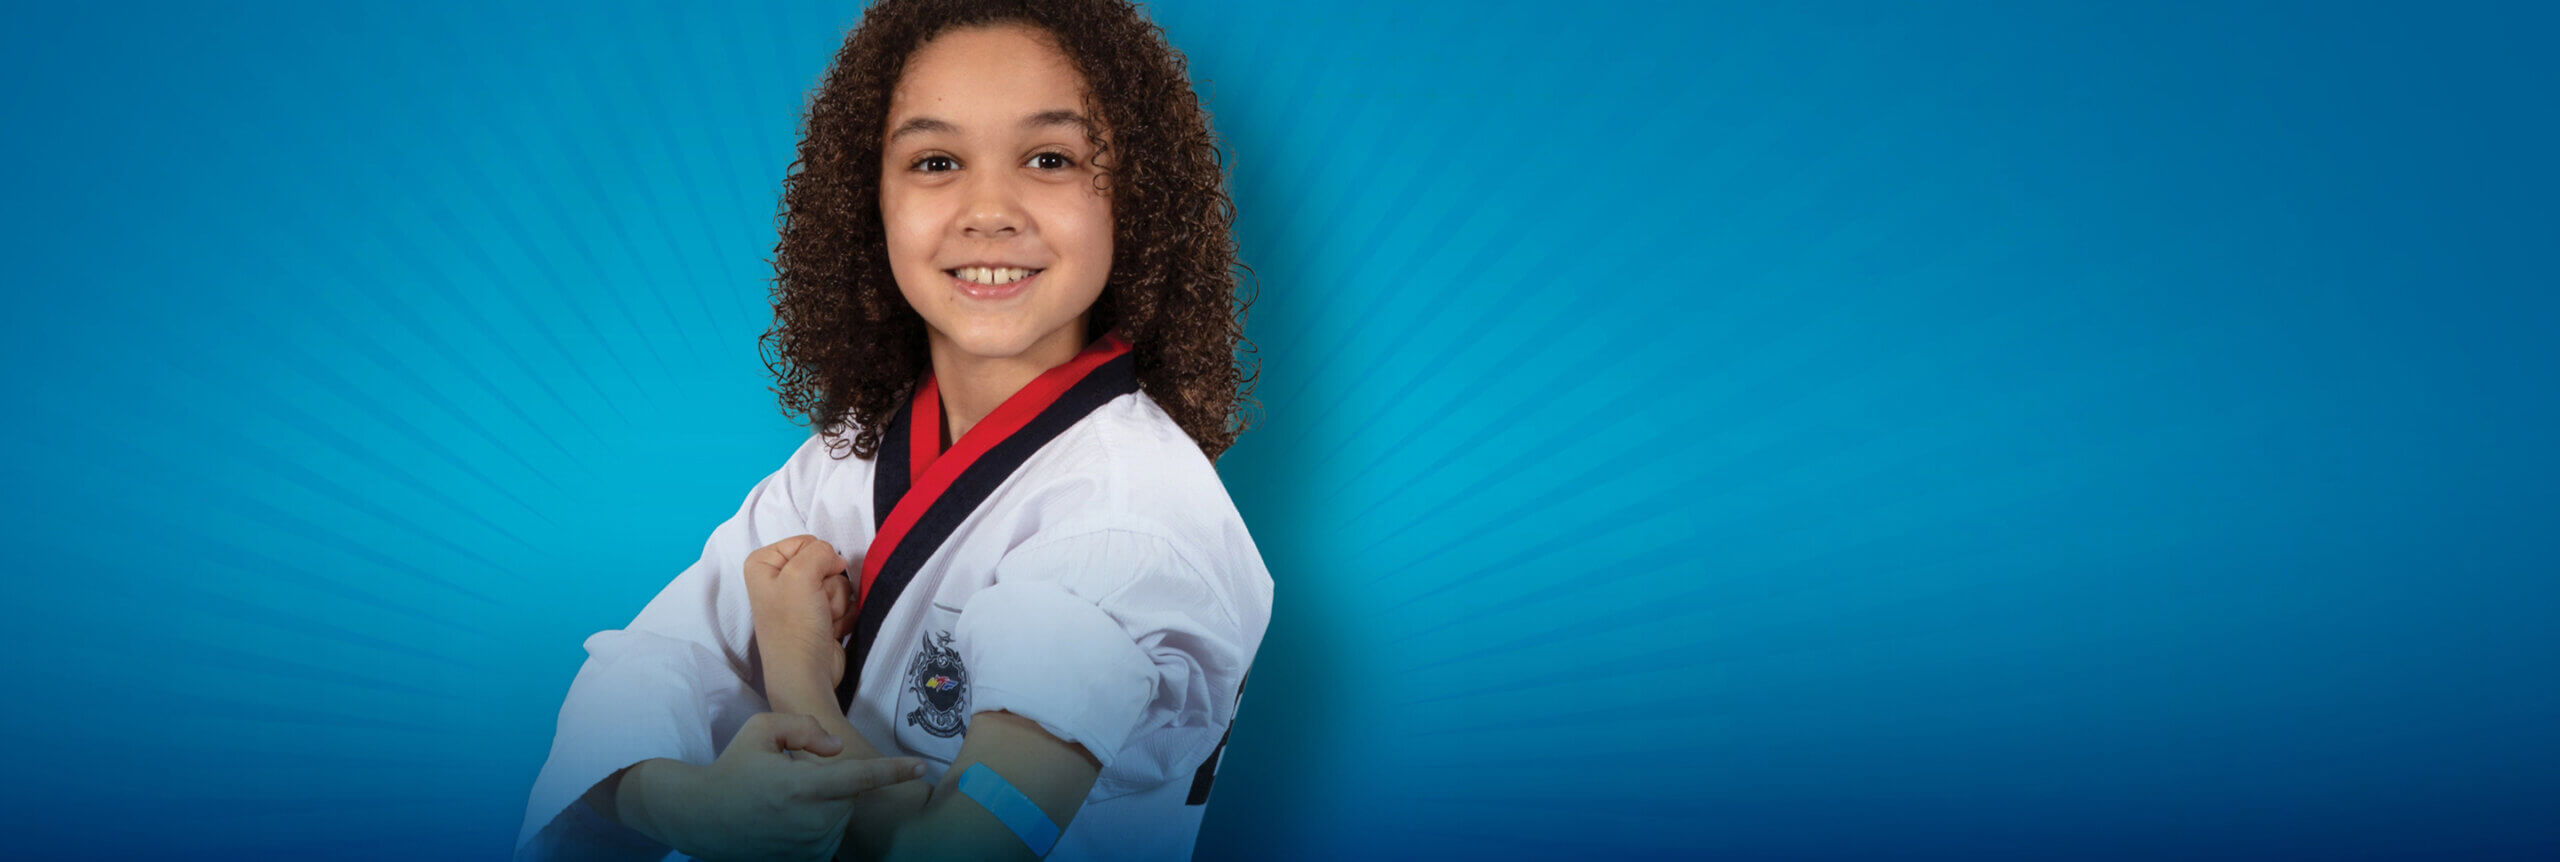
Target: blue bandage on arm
(1017,811)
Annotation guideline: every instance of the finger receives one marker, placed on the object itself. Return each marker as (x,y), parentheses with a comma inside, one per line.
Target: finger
(796,732)
(814,560)
(790,548)
(844,778)
(840,605)
(826,745)
(765,560)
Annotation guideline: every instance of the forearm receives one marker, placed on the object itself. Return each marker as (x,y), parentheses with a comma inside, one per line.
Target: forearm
(1053,774)
(877,815)
(793,688)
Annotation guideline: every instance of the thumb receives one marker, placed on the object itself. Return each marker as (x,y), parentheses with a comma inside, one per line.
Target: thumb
(844,778)
(796,732)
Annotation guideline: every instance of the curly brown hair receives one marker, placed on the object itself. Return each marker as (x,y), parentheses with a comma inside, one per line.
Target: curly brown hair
(846,348)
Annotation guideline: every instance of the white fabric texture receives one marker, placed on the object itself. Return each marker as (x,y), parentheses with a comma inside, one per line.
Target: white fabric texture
(1107,590)
(676,683)
(1111,638)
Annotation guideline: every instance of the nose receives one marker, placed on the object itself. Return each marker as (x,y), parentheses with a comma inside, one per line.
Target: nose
(994,208)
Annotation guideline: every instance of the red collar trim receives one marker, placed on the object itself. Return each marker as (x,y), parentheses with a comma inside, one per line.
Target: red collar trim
(932,470)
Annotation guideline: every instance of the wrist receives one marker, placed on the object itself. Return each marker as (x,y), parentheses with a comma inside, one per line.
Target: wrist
(799,646)
(800,685)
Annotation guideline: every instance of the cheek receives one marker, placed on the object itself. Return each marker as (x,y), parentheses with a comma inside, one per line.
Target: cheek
(911,236)
(1081,222)
(911,219)
(898,224)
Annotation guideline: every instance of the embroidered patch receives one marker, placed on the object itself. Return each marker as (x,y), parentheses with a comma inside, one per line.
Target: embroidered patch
(941,687)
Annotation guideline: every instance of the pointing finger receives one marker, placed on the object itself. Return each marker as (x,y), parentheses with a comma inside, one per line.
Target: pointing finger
(845,778)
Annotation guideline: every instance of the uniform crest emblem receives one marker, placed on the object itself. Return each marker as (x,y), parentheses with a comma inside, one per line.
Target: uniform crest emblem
(941,687)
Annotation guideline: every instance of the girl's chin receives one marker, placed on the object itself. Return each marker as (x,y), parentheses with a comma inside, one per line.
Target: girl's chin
(991,343)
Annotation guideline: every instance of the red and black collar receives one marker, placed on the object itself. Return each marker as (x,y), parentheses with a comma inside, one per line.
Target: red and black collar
(920,494)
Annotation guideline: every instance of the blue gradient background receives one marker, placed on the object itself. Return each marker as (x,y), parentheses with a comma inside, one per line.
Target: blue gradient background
(1841,431)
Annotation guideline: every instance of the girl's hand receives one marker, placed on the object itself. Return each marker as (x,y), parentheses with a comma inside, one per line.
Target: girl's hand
(803,605)
(762,799)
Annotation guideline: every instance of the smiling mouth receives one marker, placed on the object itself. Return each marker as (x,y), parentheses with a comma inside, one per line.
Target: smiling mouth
(991,276)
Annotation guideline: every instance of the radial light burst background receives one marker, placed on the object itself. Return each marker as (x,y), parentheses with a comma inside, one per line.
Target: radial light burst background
(1836,431)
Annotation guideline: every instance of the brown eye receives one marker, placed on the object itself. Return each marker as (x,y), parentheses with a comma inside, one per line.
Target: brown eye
(934,164)
(1052,161)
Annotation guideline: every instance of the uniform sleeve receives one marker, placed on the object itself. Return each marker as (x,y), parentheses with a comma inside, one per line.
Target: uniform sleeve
(1122,640)
(676,683)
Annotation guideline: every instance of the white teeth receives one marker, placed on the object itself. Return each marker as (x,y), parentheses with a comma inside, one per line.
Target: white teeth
(991,274)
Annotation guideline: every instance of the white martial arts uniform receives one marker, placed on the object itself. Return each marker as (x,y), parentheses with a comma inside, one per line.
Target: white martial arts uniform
(1105,588)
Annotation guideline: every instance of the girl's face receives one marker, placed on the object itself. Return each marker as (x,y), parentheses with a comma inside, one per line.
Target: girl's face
(985,167)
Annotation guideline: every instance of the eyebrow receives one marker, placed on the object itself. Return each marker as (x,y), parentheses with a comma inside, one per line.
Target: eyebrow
(1044,119)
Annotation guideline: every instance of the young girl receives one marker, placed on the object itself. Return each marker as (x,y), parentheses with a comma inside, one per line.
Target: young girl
(1007,299)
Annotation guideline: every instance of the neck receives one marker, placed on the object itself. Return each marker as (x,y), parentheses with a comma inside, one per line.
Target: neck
(973,386)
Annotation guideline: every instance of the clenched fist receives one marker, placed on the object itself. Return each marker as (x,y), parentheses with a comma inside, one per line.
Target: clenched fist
(803,603)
